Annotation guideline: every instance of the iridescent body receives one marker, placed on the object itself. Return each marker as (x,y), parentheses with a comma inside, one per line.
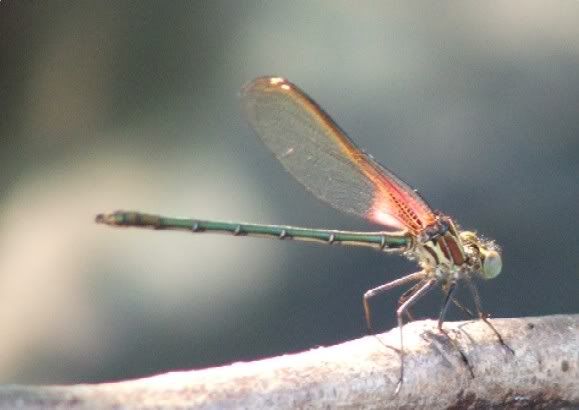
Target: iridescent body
(312,148)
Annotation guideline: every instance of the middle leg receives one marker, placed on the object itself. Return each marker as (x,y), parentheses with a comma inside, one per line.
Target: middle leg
(448,298)
(426,286)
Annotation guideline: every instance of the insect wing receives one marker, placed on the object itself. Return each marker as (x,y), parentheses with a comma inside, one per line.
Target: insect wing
(312,147)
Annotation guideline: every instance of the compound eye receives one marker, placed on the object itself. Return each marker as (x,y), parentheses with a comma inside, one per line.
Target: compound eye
(491,263)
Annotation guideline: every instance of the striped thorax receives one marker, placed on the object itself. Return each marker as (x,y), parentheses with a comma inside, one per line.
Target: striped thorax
(449,254)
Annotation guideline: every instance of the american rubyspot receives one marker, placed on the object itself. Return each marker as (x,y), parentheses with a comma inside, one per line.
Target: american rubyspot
(312,147)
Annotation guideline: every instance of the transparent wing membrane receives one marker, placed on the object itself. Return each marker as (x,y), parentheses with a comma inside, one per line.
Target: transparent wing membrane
(312,147)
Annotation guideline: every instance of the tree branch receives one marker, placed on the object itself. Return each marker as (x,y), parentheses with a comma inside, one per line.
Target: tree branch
(363,373)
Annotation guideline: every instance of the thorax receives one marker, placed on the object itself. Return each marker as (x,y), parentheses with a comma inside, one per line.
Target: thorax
(440,250)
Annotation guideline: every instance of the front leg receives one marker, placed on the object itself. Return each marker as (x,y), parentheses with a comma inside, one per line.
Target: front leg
(484,316)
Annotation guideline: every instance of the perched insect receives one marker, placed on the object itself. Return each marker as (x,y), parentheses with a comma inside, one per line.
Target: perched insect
(312,147)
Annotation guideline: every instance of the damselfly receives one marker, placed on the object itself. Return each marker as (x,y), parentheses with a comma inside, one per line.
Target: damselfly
(312,147)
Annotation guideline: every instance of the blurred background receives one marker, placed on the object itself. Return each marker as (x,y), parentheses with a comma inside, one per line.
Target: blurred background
(111,105)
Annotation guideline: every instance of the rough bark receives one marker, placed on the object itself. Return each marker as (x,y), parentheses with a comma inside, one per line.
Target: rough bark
(543,372)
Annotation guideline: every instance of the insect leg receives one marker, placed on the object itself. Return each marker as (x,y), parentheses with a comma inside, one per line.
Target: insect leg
(404,298)
(443,310)
(462,307)
(484,316)
(384,288)
(399,316)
